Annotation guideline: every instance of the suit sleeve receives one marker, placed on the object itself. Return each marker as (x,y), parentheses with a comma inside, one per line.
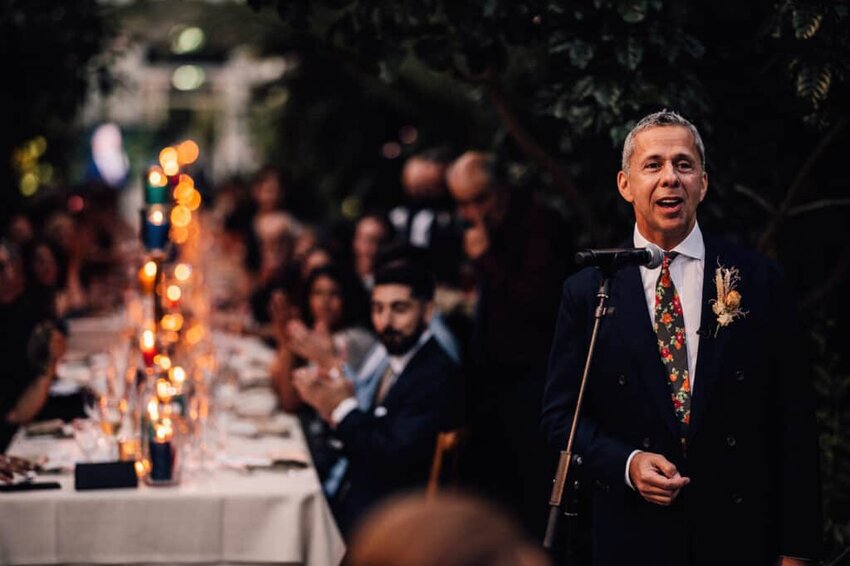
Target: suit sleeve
(798,458)
(604,457)
(404,436)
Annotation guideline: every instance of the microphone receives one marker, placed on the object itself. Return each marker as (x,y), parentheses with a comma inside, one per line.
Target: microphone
(614,258)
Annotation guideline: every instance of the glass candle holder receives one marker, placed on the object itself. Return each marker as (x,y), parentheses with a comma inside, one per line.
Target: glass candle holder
(156,186)
(155,227)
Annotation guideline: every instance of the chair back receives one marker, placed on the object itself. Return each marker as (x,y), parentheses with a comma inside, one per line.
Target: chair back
(448,446)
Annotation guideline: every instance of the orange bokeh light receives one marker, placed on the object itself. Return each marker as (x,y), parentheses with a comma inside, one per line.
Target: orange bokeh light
(187,152)
(181,216)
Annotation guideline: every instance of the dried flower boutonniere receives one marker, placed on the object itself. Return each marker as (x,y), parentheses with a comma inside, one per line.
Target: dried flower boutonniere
(727,305)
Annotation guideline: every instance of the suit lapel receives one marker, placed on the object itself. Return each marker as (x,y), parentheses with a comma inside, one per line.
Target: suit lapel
(366,389)
(710,346)
(634,324)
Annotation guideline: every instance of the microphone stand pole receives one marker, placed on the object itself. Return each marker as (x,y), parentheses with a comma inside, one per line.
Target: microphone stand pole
(564,462)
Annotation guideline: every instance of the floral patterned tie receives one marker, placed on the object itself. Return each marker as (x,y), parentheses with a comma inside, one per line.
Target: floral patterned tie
(670,329)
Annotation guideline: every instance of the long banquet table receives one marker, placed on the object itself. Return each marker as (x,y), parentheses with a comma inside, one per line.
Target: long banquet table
(219,515)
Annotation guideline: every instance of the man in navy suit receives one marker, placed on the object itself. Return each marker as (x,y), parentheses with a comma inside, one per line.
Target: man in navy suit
(697,430)
(388,424)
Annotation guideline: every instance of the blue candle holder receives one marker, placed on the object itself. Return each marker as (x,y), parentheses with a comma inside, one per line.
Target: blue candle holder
(163,458)
(155,228)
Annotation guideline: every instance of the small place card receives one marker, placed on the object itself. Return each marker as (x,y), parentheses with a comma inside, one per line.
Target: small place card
(105,475)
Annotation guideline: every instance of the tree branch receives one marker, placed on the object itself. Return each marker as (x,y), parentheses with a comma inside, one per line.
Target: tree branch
(817,205)
(530,146)
(755,197)
(816,295)
(767,238)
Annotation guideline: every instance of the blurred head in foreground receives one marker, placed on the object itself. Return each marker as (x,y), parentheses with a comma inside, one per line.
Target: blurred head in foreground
(449,530)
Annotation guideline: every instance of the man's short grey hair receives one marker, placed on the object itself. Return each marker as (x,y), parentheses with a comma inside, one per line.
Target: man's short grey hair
(660,119)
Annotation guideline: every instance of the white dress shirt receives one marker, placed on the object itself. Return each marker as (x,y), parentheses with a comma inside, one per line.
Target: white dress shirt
(397,363)
(686,271)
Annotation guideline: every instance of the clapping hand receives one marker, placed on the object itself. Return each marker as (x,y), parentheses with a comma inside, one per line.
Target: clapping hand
(320,391)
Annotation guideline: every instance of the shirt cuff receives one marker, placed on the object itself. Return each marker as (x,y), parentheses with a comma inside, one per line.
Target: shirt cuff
(345,406)
(629,463)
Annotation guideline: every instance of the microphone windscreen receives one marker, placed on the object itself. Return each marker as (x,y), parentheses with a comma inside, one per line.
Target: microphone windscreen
(656,256)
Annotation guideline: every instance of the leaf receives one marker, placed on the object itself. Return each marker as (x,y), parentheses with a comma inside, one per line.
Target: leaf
(582,88)
(580,53)
(632,11)
(433,52)
(630,53)
(813,84)
(693,46)
(806,22)
(490,7)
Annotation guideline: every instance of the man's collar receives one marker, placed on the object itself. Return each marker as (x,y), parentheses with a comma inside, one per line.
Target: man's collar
(398,363)
(692,246)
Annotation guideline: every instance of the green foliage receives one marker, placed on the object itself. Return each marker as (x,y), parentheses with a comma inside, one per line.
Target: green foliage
(46,49)
(816,38)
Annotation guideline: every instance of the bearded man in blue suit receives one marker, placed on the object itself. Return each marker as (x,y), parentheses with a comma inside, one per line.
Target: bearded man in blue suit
(697,429)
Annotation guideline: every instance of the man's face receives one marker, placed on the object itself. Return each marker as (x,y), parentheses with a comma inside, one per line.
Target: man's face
(423,179)
(665,183)
(368,236)
(399,319)
(475,200)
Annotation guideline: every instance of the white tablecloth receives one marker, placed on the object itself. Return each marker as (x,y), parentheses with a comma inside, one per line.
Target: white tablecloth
(213,516)
(217,515)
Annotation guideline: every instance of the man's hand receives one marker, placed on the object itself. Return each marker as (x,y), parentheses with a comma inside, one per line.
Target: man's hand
(320,391)
(656,478)
(476,242)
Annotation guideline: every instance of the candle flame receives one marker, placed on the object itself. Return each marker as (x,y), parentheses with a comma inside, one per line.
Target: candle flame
(157,217)
(156,177)
(147,340)
(149,269)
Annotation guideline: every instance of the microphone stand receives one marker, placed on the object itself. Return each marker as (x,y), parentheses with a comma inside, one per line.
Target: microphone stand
(566,455)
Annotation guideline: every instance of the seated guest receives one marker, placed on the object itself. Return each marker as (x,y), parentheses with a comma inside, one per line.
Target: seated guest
(29,348)
(451,530)
(426,219)
(388,423)
(330,329)
(372,231)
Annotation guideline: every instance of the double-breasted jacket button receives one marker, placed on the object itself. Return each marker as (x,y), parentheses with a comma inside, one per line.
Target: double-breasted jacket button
(621,379)
(730,440)
(739,375)
(737,499)
(646,442)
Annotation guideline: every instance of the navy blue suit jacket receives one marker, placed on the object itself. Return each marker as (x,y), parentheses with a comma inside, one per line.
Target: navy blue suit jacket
(390,447)
(752,451)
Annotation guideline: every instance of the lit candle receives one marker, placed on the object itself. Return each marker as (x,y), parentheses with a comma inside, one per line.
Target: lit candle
(173,294)
(162,454)
(147,276)
(147,345)
(156,186)
(155,230)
